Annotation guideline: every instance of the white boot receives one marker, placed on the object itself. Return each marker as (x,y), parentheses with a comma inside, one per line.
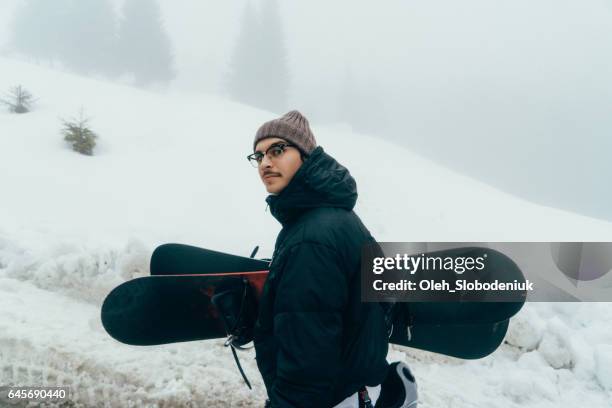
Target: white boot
(399,390)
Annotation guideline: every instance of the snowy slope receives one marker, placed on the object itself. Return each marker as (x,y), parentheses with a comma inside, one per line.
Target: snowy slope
(173,168)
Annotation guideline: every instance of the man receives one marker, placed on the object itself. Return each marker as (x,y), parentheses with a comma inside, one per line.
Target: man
(316,343)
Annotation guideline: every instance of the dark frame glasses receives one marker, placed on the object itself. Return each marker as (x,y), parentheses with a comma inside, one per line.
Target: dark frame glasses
(274,151)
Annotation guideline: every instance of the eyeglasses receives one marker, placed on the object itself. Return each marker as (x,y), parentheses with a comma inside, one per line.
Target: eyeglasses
(273,152)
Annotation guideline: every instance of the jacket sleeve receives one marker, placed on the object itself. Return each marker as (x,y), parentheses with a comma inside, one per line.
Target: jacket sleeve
(308,314)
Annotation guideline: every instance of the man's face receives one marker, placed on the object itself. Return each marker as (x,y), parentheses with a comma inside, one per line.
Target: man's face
(277,172)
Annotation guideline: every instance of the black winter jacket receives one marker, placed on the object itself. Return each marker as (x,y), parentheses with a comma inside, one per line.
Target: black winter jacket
(316,343)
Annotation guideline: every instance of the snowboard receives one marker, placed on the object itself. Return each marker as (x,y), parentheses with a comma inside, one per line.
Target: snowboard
(179,259)
(165,309)
(192,292)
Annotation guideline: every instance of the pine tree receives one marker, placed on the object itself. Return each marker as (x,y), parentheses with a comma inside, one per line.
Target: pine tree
(18,100)
(243,80)
(90,36)
(275,75)
(258,73)
(144,46)
(78,33)
(37,28)
(76,131)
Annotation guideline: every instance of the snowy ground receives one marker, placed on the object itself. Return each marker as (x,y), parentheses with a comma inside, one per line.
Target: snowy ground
(172,168)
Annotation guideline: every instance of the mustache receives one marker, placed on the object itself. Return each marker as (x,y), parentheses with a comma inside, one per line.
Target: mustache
(268,173)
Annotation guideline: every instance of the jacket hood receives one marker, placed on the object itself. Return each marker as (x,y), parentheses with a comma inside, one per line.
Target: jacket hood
(320,182)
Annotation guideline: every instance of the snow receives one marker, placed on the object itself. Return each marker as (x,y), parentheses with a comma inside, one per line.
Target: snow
(171,168)
(603,371)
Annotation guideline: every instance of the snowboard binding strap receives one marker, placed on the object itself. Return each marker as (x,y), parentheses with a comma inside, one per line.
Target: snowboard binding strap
(238,319)
(244,377)
(237,341)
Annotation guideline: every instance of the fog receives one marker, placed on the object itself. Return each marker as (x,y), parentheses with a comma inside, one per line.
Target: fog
(515,93)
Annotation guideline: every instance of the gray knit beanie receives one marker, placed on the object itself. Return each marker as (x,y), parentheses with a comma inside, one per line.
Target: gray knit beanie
(293,127)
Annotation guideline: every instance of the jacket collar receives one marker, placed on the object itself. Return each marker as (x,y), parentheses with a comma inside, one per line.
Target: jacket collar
(320,182)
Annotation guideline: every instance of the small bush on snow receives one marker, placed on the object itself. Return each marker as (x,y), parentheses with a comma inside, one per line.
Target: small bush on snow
(79,135)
